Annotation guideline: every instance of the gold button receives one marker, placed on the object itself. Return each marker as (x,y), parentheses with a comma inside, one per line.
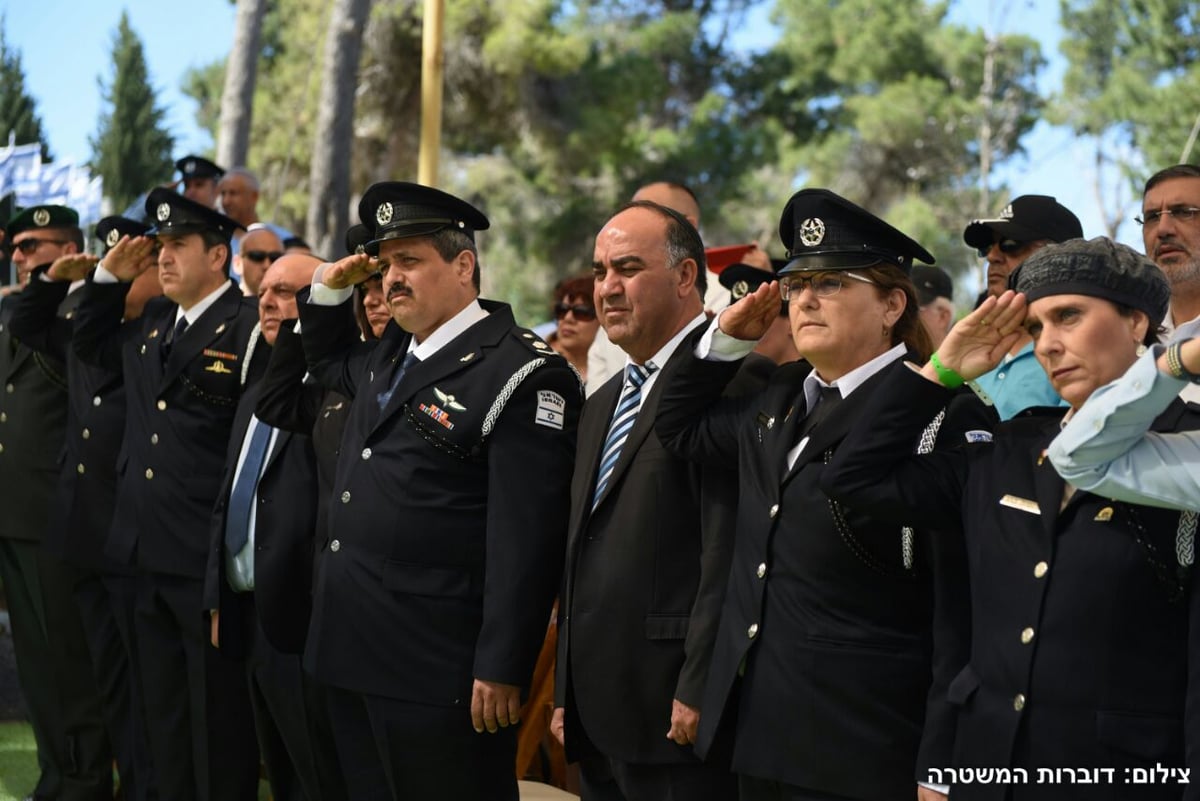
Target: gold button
(87,434)
(774,510)
(9,389)
(752,632)
(96,401)
(80,469)
(1040,569)
(143,350)
(1027,635)
(162,405)
(154,439)
(366,454)
(346,496)
(149,473)
(335,546)
(1019,702)
(762,569)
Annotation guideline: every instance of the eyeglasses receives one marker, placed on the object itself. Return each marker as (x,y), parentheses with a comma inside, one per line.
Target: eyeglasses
(28,246)
(262,255)
(1184,214)
(1007,246)
(580,311)
(823,285)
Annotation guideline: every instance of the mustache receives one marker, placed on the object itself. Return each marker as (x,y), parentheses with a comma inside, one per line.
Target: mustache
(395,289)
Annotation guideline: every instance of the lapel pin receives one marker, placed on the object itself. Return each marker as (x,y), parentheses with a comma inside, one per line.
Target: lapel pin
(1105,514)
(220,328)
(152,334)
(467,358)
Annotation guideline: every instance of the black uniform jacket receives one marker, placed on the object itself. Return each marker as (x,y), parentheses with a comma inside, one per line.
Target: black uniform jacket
(284,526)
(42,316)
(645,578)
(1085,647)
(449,516)
(830,630)
(179,416)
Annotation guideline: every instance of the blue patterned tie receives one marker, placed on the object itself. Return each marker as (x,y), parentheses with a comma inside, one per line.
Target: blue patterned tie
(241,500)
(386,395)
(180,327)
(622,423)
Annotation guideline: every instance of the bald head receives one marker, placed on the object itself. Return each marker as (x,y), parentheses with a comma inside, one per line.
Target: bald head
(277,291)
(674,196)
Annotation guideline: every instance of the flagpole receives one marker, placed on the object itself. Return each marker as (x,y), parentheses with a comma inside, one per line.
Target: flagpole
(432,63)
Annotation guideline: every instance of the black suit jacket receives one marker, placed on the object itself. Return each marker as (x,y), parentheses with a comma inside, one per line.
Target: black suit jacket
(42,316)
(33,420)
(285,521)
(1085,645)
(645,577)
(829,630)
(179,417)
(449,514)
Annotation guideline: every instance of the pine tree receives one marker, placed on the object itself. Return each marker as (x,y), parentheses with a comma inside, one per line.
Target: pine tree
(131,150)
(17,113)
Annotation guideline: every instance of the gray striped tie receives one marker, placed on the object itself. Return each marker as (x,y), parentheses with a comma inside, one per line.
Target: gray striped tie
(622,424)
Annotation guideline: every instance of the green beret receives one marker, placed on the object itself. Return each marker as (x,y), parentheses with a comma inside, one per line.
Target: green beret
(36,217)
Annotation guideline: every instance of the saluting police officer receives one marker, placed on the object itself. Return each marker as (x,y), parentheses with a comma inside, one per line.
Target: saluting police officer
(52,657)
(449,515)
(80,517)
(183,363)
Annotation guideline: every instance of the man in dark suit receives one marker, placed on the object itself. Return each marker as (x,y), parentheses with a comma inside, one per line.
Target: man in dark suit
(259,579)
(184,363)
(52,658)
(449,517)
(82,511)
(650,537)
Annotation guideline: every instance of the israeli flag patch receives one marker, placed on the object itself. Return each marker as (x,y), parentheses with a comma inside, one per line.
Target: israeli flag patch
(978,436)
(551,409)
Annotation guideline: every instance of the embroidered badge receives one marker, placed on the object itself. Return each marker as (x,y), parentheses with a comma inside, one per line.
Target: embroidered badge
(551,409)
(438,414)
(1023,504)
(219,367)
(978,436)
(449,400)
(220,354)
(1104,515)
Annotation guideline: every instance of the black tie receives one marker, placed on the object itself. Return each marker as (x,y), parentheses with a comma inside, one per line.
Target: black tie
(385,396)
(180,327)
(827,401)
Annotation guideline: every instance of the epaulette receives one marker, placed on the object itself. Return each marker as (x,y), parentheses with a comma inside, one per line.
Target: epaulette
(533,342)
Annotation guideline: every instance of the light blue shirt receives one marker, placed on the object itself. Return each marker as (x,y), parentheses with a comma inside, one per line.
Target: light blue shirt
(1018,383)
(1105,448)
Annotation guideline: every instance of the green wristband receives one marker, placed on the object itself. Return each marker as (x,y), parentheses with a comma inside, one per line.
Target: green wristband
(946,377)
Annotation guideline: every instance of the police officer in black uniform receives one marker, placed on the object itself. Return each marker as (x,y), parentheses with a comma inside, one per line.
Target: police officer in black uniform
(183,364)
(200,177)
(450,506)
(87,488)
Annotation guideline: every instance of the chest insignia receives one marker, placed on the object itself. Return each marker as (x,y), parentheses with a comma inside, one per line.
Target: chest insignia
(467,358)
(220,328)
(1023,504)
(440,415)
(219,367)
(449,401)
(1104,515)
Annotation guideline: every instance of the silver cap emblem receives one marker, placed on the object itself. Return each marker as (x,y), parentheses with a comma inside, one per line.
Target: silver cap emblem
(740,289)
(812,232)
(41,217)
(163,212)
(113,237)
(383,215)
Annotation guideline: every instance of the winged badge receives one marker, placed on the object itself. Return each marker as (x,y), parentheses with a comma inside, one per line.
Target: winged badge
(448,401)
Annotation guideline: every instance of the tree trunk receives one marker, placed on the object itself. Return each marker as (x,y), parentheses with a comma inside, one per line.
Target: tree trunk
(237,98)
(329,179)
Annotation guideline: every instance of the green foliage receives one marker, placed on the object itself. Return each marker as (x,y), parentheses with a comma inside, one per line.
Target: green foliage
(131,150)
(18,113)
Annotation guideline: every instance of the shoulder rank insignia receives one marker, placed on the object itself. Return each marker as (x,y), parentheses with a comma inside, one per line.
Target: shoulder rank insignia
(449,400)
(218,366)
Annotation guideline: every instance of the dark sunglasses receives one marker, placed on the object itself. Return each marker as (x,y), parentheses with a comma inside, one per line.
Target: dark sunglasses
(580,311)
(1007,246)
(262,255)
(28,246)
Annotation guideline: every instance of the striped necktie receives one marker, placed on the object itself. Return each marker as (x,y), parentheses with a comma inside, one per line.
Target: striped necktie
(622,423)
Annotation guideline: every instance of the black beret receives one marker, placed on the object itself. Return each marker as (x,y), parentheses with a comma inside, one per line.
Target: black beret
(398,209)
(198,167)
(41,216)
(823,231)
(1028,218)
(172,213)
(110,230)
(1096,267)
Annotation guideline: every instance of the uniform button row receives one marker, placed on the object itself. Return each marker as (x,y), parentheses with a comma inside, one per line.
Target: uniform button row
(154,439)
(86,433)
(80,469)
(3,417)
(346,496)
(1019,702)
(773,511)
(752,632)
(335,546)
(762,570)
(366,454)
(162,405)
(1040,569)
(1027,635)
(149,474)
(96,400)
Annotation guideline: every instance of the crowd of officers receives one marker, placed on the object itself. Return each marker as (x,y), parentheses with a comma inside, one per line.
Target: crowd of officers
(793,551)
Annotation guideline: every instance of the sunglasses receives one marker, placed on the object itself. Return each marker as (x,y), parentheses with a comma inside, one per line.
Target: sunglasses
(1007,246)
(28,246)
(580,311)
(262,255)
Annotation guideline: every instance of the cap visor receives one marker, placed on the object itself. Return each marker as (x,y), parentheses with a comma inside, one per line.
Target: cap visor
(809,262)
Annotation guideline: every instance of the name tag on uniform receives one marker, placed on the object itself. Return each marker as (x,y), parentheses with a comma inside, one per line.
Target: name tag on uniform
(1024,504)
(551,409)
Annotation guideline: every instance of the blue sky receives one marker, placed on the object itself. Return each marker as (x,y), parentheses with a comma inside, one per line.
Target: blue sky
(65,46)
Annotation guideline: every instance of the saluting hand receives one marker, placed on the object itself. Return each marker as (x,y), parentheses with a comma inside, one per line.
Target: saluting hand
(978,342)
(495,705)
(129,258)
(684,722)
(72,267)
(750,317)
(348,271)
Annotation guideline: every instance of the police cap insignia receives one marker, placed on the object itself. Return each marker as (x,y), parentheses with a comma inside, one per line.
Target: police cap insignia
(383,214)
(812,231)
(114,236)
(163,212)
(399,209)
(41,217)
(739,290)
(176,214)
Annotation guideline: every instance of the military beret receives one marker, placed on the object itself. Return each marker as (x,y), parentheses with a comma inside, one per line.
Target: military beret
(398,209)
(1028,218)
(198,167)
(823,231)
(1096,267)
(110,230)
(41,217)
(931,283)
(172,213)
